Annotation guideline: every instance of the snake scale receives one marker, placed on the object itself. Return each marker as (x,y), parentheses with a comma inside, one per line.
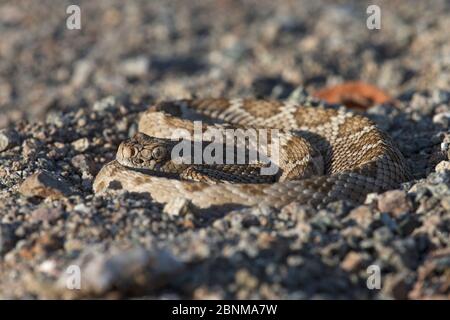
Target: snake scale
(343,156)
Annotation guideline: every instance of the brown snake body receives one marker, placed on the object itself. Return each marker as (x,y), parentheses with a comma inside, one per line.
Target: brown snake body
(355,157)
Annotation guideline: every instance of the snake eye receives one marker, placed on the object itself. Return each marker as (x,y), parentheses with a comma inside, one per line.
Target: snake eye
(145,153)
(158,152)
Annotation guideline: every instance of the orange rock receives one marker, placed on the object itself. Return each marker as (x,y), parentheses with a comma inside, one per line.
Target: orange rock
(353,94)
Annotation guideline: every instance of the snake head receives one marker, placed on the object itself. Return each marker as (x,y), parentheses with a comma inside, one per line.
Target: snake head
(143,152)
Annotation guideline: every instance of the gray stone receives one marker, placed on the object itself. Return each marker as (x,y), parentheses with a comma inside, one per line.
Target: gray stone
(132,270)
(7,238)
(46,214)
(105,103)
(81,145)
(45,185)
(8,139)
(394,202)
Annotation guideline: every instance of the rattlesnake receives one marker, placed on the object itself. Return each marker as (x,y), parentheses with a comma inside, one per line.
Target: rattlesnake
(357,157)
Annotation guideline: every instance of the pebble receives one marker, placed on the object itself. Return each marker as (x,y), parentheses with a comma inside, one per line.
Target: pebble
(45,214)
(352,261)
(45,185)
(85,164)
(7,238)
(81,145)
(445,202)
(81,72)
(442,119)
(135,67)
(362,215)
(104,104)
(443,166)
(134,269)
(394,202)
(8,139)
(396,286)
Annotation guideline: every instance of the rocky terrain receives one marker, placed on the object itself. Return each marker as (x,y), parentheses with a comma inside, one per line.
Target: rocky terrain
(69,97)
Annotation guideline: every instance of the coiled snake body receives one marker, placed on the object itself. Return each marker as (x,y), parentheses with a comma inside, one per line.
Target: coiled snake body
(328,154)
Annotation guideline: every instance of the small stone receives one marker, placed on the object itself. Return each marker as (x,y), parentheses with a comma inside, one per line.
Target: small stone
(396,286)
(84,164)
(130,270)
(8,139)
(5,93)
(135,67)
(82,70)
(433,281)
(56,119)
(44,185)
(7,239)
(445,202)
(245,279)
(352,261)
(408,224)
(362,215)
(81,207)
(104,104)
(81,145)
(45,214)
(443,166)
(29,148)
(395,202)
(443,119)
(371,198)
(48,267)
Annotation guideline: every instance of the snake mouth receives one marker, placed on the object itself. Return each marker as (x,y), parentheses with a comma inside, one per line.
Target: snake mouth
(150,172)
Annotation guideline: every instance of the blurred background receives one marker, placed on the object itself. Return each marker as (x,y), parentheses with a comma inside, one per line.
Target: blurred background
(173,49)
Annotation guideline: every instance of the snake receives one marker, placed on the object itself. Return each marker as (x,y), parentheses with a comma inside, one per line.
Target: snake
(326,153)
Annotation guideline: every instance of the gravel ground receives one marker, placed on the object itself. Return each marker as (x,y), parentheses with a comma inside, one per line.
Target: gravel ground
(68,97)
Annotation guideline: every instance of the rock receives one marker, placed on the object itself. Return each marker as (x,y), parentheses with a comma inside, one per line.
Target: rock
(82,70)
(105,103)
(245,279)
(395,202)
(30,148)
(84,164)
(340,208)
(48,267)
(442,118)
(443,166)
(44,185)
(8,139)
(46,214)
(135,67)
(81,145)
(7,239)
(57,119)
(132,270)
(362,215)
(396,286)
(352,261)
(445,202)
(5,93)
(433,279)
(408,224)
